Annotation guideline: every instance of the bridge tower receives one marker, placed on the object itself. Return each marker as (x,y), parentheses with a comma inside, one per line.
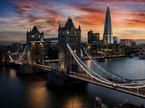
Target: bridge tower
(67,33)
(35,44)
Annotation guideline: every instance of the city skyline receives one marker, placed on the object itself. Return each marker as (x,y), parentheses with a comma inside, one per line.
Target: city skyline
(17,16)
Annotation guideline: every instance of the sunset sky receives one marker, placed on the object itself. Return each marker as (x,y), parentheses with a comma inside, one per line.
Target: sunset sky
(16,16)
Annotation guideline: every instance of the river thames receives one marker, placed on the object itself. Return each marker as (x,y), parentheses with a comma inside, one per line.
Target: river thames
(16,92)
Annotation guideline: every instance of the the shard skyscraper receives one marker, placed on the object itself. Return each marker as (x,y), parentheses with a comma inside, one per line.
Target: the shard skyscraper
(107,36)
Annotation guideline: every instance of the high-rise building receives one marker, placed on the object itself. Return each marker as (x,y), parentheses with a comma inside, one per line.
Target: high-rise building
(107,36)
(68,33)
(127,42)
(93,38)
(115,40)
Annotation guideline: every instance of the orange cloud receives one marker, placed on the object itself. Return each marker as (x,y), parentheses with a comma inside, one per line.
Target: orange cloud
(128,19)
(45,18)
(131,20)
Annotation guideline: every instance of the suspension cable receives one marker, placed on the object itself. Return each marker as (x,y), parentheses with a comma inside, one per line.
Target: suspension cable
(125,85)
(101,68)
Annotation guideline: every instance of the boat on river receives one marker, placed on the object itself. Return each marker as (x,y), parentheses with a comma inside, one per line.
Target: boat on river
(99,103)
(142,57)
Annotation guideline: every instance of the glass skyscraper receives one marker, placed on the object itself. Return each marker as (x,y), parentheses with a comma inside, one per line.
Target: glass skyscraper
(107,36)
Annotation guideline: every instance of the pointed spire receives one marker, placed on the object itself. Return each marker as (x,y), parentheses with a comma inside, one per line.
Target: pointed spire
(69,24)
(42,33)
(59,27)
(34,28)
(28,32)
(108,26)
(79,27)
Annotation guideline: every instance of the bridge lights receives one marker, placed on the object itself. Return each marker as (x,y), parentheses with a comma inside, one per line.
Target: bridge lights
(114,85)
(33,43)
(68,31)
(40,44)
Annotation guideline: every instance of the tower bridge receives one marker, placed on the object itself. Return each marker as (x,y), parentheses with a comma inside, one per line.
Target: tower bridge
(70,63)
(68,34)
(35,44)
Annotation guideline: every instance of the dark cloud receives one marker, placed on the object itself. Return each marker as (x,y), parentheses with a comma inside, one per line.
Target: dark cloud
(141,14)
(22,9)
(38,14)
(87,8)
(47,14)
(12,36)
(142,1)
(136,21)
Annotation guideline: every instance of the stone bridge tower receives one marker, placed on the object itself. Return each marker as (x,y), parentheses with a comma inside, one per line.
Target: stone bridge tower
(67,33)
(35,44)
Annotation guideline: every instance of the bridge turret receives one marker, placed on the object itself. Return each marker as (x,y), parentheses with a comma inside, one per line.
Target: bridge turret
(71,35)
(35,43)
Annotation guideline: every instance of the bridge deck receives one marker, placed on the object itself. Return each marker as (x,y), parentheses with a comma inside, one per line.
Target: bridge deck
(140,92)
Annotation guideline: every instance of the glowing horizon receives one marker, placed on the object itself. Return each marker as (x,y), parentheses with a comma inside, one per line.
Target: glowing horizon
(128,17)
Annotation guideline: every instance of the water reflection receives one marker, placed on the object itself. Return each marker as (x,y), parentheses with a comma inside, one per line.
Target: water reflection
(23,93)
(12,74)
(113,98)
(89,63)
(73,102)
(125,67)
(37,95)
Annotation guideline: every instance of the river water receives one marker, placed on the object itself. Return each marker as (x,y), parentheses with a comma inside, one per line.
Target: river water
(16,92)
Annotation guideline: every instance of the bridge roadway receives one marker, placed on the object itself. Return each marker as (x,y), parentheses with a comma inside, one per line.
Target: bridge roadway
(83,76)
(95,79)
(44,67)
(136,92)
(53,60)
(38,66)
(103,57)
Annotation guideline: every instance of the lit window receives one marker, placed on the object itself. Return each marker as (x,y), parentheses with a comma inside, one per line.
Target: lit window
(68,32)
(33,43)
(41,44)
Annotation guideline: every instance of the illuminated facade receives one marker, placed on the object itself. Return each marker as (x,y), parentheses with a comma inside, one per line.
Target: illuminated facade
(127,42)
(115,40)
(71,35)
(35,43)
(93,38)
